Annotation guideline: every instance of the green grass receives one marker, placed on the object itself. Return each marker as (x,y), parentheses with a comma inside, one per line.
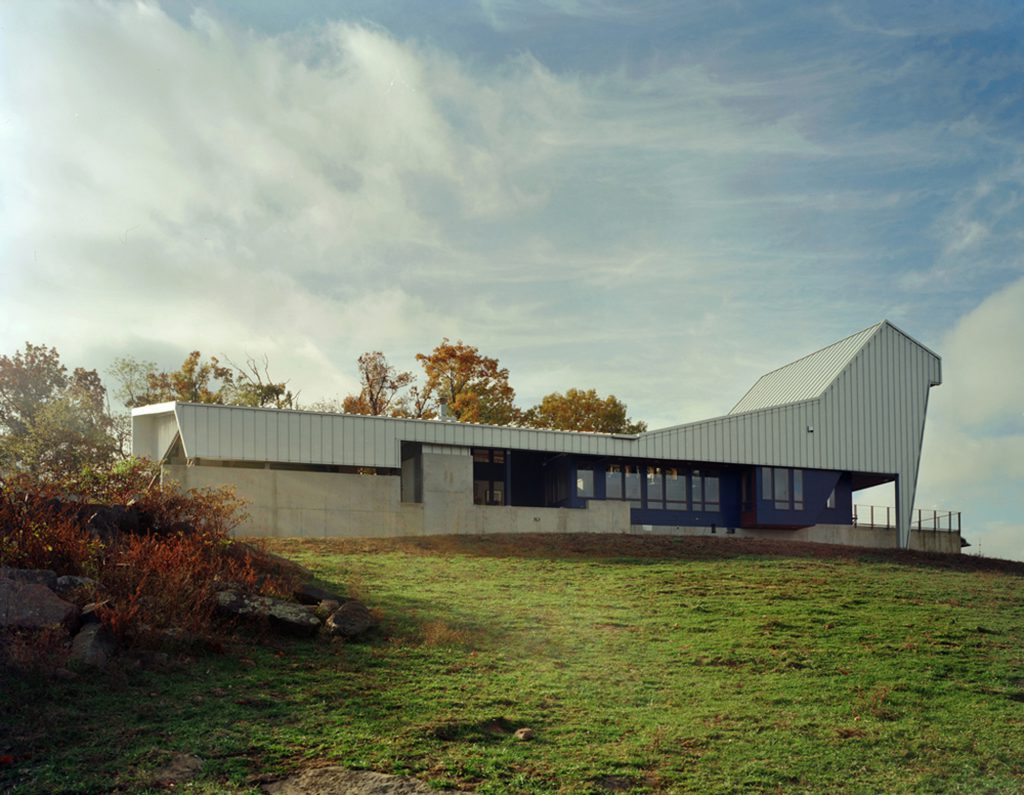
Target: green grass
(671,672)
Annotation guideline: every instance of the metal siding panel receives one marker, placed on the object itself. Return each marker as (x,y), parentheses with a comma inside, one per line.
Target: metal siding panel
(369,440)
(337,441)
(224,437)
(293,438)
(349,441)
(316,438)
(380,445)
(249,435)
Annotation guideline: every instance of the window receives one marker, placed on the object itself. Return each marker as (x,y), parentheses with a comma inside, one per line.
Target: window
(613,482)
(655,488)
(831,503)
(711,502)
(704,490)
(675,489)
(488,476)
(584,480)
(780,483)
(783,487)
(631,474)
(488,492)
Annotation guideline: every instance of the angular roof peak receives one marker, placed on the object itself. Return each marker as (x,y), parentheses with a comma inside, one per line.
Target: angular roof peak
(806,378)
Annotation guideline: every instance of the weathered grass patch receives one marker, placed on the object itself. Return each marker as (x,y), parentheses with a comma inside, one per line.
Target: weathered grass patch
(638,674)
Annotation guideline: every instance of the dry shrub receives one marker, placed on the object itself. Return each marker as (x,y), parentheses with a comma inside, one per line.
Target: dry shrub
(37,534)
(165,576)
(161,582)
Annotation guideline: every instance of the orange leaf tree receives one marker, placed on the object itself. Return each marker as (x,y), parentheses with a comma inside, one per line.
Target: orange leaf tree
(474,387)
(582,410)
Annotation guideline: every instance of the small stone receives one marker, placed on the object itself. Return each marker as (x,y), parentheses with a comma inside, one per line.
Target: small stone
(350,620)
(92,647)
(524,734)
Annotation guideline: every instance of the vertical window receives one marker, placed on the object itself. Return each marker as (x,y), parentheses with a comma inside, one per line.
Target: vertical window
(711,493)
(675,489)
(766,484)
(584,480)
(780,482)
(798,489)
(831,503)
(480,489)
(631,475)
(697,490)
(613,482)
(655,488)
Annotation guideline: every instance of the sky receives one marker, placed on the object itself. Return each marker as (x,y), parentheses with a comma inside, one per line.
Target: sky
(661,200)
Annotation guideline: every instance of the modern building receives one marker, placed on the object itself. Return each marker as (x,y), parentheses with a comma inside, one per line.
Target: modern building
(785,462)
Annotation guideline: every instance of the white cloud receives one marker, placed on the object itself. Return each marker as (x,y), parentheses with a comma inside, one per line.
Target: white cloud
(973,459)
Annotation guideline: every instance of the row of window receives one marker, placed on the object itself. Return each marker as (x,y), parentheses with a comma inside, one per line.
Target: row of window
(668,488)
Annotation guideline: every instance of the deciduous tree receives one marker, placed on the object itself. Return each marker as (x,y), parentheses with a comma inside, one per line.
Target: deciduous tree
(582,410)
(52,423)
(381,387)
(474,387)
(199,381)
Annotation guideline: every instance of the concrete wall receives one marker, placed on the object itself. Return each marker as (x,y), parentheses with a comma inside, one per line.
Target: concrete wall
(843,534)
(288,503)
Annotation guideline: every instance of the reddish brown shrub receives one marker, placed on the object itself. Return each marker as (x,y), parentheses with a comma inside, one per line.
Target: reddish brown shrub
(164,576)
(37,532)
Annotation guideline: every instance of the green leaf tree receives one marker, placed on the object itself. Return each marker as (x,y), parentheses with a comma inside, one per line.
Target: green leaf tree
(52,422)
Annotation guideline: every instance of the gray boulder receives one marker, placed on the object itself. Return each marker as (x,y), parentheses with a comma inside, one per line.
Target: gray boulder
(37,576)
(286,617)
(92,647)
(309,594)
(351,620)
(28,605)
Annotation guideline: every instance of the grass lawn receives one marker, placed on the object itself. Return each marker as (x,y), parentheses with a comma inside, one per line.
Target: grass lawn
(642,665)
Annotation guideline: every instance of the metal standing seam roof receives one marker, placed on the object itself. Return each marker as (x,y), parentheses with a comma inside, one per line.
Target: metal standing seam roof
(806,378)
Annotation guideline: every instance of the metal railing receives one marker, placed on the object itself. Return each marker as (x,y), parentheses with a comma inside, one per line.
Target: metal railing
(884,516)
